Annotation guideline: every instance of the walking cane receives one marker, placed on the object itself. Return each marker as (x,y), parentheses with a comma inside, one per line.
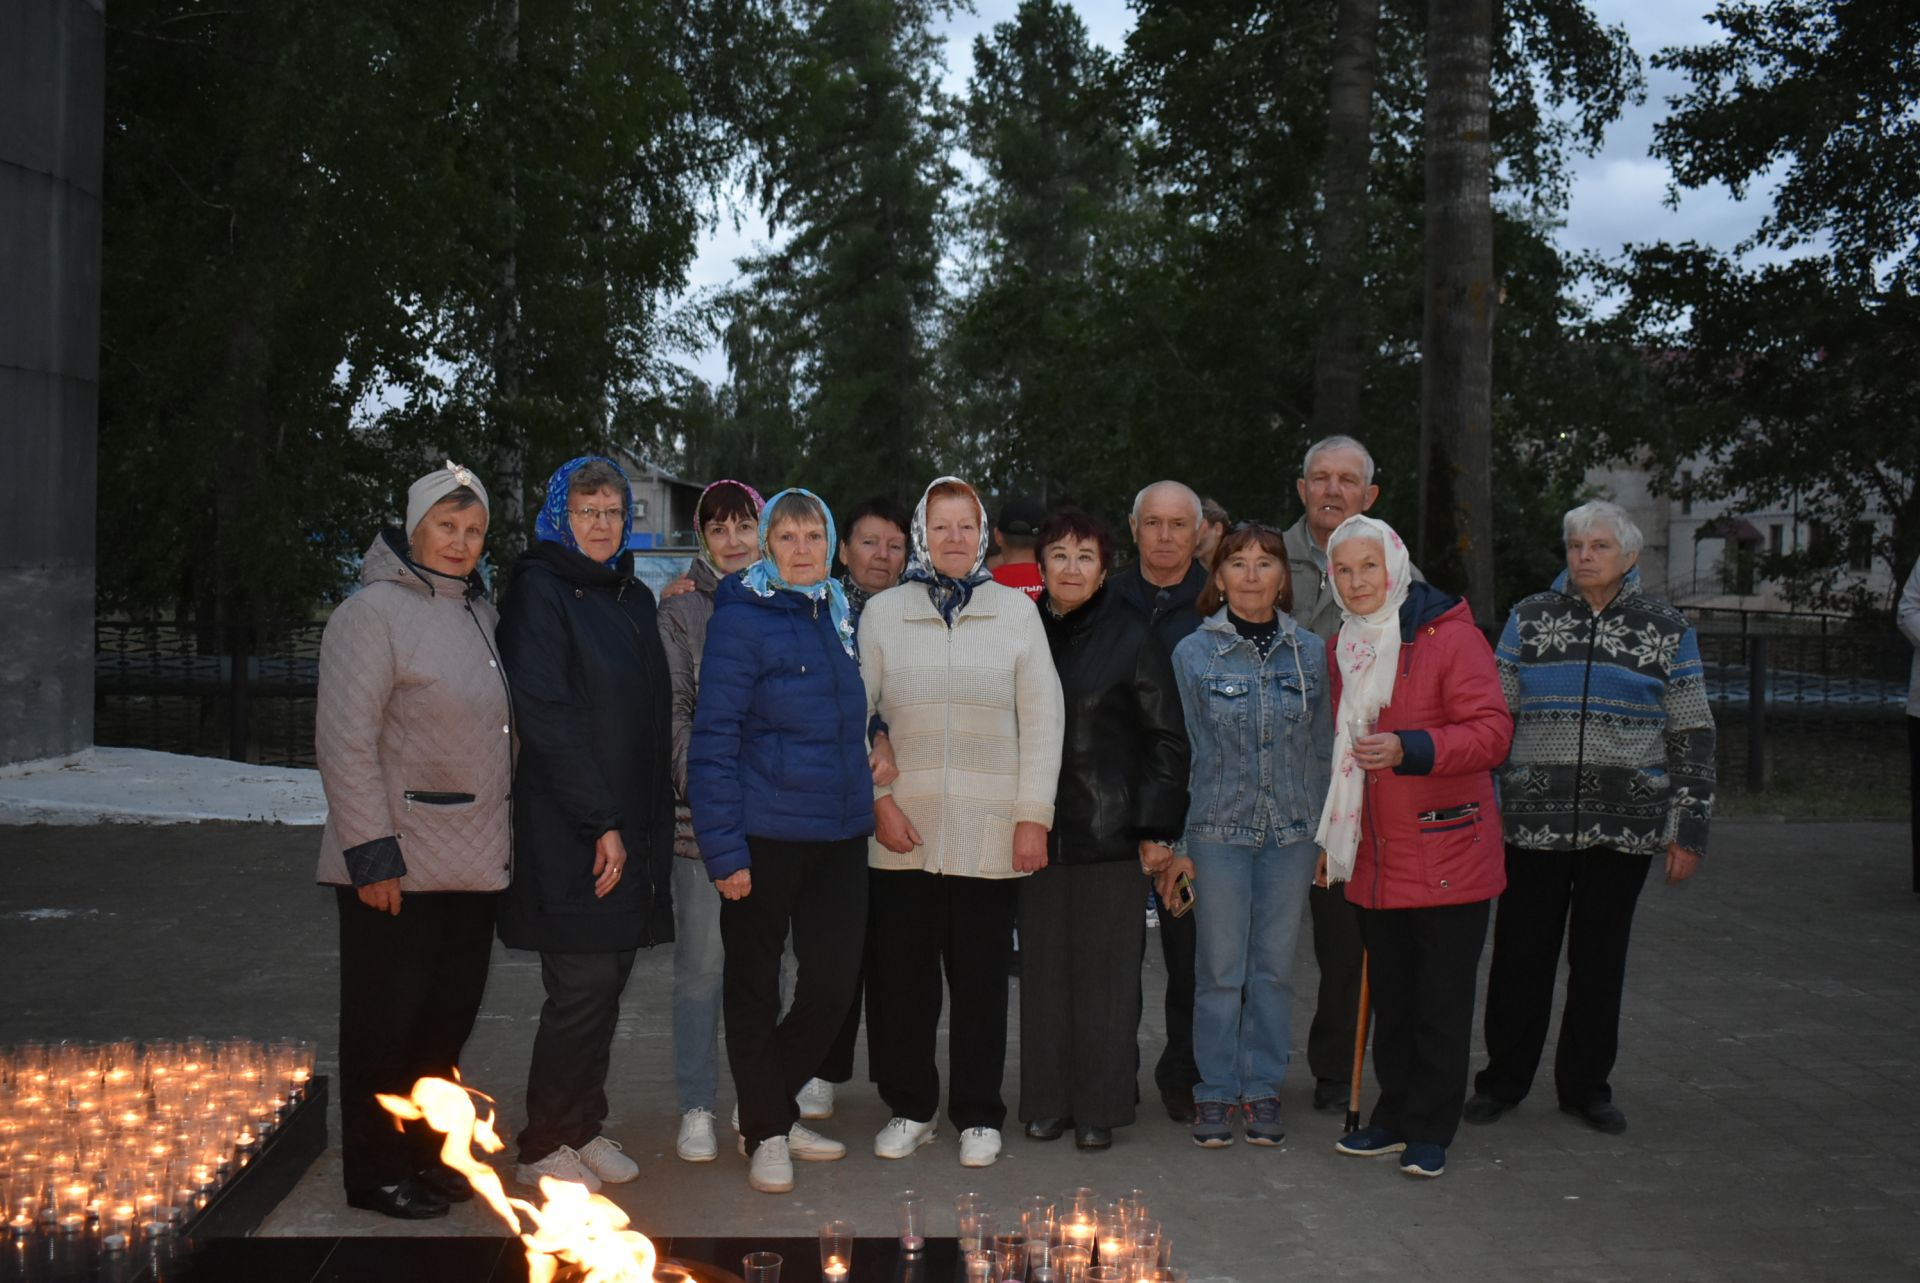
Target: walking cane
(1359,1050)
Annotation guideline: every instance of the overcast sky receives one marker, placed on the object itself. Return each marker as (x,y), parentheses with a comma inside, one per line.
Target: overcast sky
(1617,195)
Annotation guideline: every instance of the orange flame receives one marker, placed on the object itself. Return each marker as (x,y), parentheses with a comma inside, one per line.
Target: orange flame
(571,1227)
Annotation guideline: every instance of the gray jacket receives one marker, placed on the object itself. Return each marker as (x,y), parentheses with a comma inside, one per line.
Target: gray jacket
(1314,606)
(683,631)
(1261,732)
(412,732)
(1909,617)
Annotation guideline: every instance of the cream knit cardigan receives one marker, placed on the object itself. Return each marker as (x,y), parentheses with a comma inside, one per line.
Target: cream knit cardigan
(976,719)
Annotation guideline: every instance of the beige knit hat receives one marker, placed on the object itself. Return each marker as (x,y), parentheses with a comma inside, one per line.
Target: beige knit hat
(437,485)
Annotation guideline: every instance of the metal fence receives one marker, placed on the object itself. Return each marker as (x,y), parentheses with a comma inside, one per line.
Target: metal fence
(240,691)
(1806,703)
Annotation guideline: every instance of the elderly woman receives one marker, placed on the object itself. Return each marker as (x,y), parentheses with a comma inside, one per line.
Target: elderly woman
(1409,826)
(727,526)
(1254,687)
(593,805)
(959,669)
(874,551)
(410,731)
(1612,766)
(1119,806)
(782,800)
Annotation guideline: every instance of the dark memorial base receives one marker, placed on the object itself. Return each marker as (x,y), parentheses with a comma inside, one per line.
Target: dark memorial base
(503,1260)
(236,1209)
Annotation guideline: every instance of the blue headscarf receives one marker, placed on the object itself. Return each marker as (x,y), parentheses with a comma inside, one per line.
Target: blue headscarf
(552,524)
(950,593)
(763,577)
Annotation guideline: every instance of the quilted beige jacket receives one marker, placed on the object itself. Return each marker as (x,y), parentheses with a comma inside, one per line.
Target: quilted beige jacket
(413,732)
(976,718)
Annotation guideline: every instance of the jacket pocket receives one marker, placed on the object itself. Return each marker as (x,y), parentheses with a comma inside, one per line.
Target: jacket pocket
(1228,699)
(434,797)
(1450,847)
(1296,692)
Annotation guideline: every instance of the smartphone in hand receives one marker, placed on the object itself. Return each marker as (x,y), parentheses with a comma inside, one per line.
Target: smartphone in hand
(1182,896)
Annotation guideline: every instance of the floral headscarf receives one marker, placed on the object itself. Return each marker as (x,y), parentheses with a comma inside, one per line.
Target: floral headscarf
(950,594)
(763,576)
(552,524)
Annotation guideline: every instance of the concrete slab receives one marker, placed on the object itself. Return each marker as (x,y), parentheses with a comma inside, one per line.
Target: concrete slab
(140,786)
(1770,1057)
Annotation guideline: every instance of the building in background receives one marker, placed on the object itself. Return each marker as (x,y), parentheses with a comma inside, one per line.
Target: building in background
(663,505)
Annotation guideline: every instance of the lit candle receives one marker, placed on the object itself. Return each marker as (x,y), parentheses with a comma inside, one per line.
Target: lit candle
(1110,1250)
(834,1271)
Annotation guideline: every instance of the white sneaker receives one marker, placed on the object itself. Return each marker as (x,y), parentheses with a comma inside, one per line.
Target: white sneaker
(562,1164)
(696,1143)
(604,1159)
(901,1136)
(979,1147)
(772,1169)
(816,1099)
(807,1145)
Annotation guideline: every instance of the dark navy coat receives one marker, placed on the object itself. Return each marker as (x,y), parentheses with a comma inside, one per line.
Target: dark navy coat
(780,732)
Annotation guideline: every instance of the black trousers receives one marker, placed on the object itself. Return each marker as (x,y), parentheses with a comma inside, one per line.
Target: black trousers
(837,1065)
(921,925)
(1913,755)
(1082,936)
(567,1080)
(1423,966)
(1589,898)
(818,892)
(1176,1074)
(1337,948)
(410,987)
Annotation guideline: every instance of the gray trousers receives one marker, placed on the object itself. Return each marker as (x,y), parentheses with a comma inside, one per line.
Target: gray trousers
(1082,938)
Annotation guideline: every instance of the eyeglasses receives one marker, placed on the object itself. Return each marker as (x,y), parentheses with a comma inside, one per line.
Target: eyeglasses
(594,516)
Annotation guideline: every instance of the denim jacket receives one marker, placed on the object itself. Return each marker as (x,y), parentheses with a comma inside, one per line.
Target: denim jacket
(1261,731)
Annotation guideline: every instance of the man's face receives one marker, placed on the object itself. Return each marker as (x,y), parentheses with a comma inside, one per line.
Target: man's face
(1334,489)
(1166,533)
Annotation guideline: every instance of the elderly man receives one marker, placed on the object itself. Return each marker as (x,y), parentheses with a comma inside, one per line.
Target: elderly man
(1163,585)
(1336,481)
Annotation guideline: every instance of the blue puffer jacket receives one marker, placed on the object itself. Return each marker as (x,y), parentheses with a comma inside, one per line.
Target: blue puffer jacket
(779,735)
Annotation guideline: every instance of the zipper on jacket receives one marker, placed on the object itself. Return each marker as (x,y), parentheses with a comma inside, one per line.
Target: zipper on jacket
(946,757)
(1580,750)
(506,688)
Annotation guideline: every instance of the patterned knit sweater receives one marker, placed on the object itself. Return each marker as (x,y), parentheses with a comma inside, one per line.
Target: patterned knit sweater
(1612,738)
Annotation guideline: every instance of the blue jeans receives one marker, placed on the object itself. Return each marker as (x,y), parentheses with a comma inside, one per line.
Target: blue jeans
(1247,908)
(698,962)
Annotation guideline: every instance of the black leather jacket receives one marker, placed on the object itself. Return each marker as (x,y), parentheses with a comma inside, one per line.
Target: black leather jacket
(1123,767)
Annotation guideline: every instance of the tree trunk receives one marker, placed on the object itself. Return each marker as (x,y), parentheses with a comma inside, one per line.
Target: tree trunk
(1339,354)
(1456,382)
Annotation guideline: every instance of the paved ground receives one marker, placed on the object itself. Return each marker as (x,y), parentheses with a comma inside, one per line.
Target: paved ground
(1770,1064)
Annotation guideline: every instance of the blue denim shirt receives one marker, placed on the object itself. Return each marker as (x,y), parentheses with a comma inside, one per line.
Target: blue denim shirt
(1261,731)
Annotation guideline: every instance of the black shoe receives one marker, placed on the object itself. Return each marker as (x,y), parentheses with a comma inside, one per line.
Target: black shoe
(1179,1105)
(1088,1137)
(1482,1108)
(1601,1115)
(407,1201)
(1330,1092)
(1048,1128)
(444,1183)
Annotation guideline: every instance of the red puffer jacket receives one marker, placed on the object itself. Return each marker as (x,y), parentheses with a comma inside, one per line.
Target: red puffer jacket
(1430,833)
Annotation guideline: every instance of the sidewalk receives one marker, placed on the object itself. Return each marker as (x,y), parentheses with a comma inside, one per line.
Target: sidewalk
(1770,1059)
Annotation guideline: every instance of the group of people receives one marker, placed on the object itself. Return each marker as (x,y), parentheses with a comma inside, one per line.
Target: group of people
(846,795)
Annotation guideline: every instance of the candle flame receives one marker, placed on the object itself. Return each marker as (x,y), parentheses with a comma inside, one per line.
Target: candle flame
(571,1227)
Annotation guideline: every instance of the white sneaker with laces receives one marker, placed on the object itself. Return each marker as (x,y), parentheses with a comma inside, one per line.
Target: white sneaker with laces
(807,1145)
(979,1146)
(771,1171)
(901,1136)
(604,1159)
(696,1143)
(816,1100)
(562,1164)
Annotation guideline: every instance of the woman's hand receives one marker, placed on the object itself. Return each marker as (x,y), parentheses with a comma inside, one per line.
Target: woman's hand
(893,828)
(1029,847)
(683,584)
(1169,877)
(736,885)
(1681,865)
(383,895)
(609,862)
(1320,872)
(880,761)
(1154,857)
(1380,752)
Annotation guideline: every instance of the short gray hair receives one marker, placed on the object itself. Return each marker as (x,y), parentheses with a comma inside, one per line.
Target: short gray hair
(1199,516)
(597,474)
(798,509)
(1603,512)
(1336,442)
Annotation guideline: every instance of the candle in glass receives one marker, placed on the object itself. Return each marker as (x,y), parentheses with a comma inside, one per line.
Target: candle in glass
(910,1212)
(836,1251)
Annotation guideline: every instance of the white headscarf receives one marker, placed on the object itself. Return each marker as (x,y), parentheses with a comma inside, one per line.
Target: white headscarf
(1367,653)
